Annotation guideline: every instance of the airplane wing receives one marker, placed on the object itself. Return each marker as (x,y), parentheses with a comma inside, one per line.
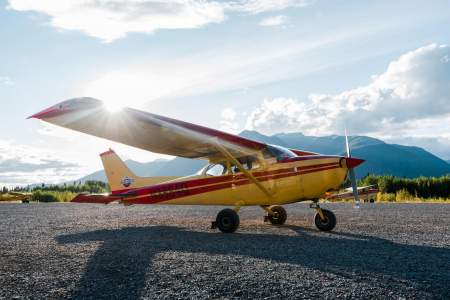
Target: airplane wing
(146,131)
(19,194)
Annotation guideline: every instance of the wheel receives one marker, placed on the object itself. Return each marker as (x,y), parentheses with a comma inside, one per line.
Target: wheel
(227,220)
(279,215)
(327,224)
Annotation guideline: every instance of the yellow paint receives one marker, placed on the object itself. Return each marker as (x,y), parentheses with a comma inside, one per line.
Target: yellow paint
(291,189)
(117,171)
(320,212)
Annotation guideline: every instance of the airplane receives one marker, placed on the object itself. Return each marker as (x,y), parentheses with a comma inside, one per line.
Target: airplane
(240,171)
(366,193)
(19,196)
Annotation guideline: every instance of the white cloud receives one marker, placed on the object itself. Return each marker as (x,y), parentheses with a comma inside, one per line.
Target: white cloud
(260,6)
(274,21)
(228,122)
(414,88)
(276,115)
(409,104)
(6,80)
(113,19)
(22,165)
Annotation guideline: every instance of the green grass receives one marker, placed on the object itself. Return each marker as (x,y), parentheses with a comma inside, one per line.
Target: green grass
(52,196)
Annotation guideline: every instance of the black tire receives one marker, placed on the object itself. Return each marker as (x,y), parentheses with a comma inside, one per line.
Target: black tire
(279,215)
(328,224)
(227,220)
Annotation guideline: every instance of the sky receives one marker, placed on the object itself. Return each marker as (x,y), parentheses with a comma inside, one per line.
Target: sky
(377,68)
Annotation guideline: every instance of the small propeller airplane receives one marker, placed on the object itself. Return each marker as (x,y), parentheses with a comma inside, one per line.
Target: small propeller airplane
(240,171)
(366,193)
(19,196)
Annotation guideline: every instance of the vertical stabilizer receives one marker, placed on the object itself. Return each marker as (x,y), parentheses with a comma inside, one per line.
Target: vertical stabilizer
(121,178)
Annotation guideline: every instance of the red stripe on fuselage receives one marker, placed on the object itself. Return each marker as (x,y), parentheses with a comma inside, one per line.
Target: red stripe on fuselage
(152,198)
(207,181)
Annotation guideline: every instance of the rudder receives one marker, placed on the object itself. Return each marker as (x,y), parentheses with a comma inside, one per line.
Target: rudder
(120,177)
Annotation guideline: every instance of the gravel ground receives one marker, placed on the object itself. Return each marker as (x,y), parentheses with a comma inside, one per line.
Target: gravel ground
(383,251)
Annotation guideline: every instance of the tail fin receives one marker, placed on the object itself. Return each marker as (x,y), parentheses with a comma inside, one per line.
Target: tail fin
(120,177)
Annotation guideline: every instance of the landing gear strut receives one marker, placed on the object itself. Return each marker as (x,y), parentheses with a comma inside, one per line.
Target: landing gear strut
(324,219)
(276,214)
(227,221)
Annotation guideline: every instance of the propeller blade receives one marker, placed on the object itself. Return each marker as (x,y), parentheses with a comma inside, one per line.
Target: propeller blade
(352,175)
(347,144)
(351,164)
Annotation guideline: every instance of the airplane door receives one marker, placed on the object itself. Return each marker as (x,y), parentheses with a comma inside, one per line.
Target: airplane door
(271,185)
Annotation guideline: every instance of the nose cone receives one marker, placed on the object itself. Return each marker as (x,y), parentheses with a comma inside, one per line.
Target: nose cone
(352,162)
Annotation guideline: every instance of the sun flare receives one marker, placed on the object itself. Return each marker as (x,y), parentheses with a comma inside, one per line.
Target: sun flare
(113,107)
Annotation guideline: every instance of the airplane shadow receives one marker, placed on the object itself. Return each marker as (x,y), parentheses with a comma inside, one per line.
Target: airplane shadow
(123,260)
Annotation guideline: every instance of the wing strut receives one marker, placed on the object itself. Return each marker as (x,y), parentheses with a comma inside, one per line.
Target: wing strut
(252,178)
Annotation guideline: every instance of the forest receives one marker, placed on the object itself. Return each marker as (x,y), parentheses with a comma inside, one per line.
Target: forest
(409,188)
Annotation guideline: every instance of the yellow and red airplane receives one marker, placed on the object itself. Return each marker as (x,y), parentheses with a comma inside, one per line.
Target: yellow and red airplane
(366,193)
(16,196)
(241,172)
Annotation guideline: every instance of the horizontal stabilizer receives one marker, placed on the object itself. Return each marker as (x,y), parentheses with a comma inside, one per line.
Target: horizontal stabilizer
(95,198)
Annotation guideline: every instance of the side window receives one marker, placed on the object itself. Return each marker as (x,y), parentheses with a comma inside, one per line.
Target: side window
(249,163)
(215,170)
(235,169)
(279,152)
(267,153)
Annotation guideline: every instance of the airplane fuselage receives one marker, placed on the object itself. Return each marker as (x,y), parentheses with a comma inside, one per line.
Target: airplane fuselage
(292,180)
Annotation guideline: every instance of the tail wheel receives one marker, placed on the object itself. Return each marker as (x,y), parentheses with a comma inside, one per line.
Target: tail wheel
(278,216)
(227,220)
(328,223)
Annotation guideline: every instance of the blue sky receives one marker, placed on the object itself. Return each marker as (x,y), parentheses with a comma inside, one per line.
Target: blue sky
(379,68)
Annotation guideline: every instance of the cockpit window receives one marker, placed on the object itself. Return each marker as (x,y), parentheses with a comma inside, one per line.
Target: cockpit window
(215,170)
(248,162)
(279,152)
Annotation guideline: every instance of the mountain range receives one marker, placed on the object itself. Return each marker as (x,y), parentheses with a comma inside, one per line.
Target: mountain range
(381,158)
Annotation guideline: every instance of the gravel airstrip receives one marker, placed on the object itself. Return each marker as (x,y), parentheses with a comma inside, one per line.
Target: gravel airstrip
(383,251)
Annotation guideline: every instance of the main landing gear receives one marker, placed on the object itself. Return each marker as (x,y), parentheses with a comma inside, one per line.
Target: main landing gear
(227,219)
(276,214)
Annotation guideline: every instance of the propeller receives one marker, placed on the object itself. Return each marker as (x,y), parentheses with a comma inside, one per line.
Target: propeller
(351,172)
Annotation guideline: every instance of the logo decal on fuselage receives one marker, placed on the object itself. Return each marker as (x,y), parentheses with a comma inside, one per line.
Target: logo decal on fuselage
(127,181)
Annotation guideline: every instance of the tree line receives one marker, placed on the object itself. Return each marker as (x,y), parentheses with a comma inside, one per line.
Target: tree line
(421,187)
(61,192)
(89,186)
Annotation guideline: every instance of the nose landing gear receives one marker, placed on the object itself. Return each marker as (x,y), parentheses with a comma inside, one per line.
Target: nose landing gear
(324,219)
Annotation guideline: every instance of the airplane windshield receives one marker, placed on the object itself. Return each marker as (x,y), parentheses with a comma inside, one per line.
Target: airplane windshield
(277,151)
